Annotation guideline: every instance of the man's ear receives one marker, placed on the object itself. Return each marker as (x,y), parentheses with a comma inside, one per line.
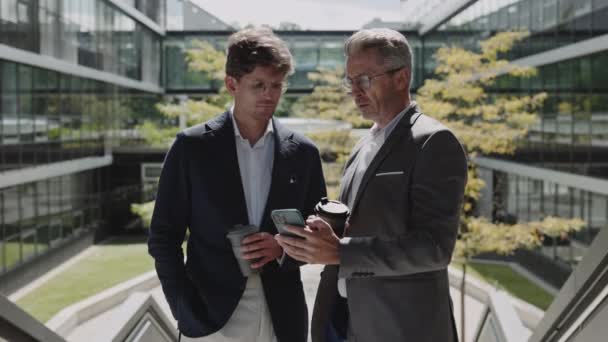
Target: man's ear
(404,77)
(231,84)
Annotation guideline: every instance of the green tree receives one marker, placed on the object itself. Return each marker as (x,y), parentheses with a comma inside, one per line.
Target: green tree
(201,58)
(486,123)
(334,147)
(328,100)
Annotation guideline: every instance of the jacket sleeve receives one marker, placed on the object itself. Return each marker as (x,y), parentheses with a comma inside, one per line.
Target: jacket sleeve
(316,186)
(169,222)
(314,192)
(436,194)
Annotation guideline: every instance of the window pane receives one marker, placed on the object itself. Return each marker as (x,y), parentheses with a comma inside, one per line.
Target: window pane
(536,193)
(549,198)
(599,213)
(28,239)
(10,211)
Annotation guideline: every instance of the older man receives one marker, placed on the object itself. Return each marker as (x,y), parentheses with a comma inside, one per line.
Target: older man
(386,279)
(232,170)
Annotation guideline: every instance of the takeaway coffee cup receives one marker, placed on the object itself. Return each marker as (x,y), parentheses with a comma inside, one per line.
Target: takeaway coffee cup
(236,236)
(334,212)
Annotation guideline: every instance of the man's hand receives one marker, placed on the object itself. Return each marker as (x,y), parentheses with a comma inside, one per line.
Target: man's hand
(261,246)
(318,246)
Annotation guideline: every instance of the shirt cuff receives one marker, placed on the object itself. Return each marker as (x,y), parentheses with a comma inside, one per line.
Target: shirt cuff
(280,260)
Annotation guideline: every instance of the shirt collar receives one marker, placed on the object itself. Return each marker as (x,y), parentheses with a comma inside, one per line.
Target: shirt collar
(237,132)
(386,130)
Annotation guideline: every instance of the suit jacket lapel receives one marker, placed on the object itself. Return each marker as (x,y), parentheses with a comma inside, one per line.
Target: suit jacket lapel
(401,131)
(281,170)
(220,136)
(347,175)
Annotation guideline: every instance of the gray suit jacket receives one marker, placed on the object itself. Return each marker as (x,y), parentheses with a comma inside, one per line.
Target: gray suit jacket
(403,227)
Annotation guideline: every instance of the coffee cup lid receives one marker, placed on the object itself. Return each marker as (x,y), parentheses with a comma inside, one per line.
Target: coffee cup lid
(332,208)
(241,229)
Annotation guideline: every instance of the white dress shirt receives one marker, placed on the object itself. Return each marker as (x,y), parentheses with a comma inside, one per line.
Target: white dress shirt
(370,145)
(255,165)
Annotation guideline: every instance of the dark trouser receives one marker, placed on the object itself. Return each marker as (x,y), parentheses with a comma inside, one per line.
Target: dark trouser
(332,336)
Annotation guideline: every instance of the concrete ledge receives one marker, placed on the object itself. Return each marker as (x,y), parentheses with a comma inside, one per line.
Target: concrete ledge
(18,325)
(45,171)
(136,307)
(69,318)
(138,318)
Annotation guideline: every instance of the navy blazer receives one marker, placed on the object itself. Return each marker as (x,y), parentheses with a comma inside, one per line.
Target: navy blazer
(200,189)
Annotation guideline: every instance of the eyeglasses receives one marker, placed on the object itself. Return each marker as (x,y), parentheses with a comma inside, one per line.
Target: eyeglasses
(364,81)
(260,87)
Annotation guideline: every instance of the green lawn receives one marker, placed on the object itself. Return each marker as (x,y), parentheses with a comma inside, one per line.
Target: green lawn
(506,278)
(107,265)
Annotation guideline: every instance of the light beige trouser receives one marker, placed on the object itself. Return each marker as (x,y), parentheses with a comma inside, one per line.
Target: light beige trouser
(250,321)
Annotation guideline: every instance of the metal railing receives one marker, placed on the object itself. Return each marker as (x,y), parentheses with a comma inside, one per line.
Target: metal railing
(500,322)
(580,311)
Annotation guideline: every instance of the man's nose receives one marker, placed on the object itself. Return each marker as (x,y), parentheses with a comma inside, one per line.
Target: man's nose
(356,89)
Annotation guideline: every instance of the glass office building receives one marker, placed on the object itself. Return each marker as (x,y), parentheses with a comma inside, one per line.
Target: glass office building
(76,76)
(561,168)
(90,33)
(311,51)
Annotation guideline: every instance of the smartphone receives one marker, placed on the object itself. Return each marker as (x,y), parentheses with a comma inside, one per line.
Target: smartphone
(283,217)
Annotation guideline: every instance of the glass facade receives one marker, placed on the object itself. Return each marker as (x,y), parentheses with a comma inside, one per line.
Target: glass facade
(46,116)
(35,217)
(519,198)
(153,9)
(186,15)
(176,73)
(552,23)
(310,52)
(91,33)
(572,132)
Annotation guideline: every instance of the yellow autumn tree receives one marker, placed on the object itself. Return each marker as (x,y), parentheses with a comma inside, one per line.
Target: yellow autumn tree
(328,100)
(486,123)
(201,58)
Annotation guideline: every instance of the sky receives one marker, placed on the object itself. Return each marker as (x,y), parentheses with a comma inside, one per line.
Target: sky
(309,14)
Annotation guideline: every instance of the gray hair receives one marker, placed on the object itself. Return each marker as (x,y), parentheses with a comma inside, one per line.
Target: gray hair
(392,47)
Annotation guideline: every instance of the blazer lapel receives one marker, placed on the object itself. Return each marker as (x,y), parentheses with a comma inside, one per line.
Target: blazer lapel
(220,137)
(347,175)
(281,170)
(401,131)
